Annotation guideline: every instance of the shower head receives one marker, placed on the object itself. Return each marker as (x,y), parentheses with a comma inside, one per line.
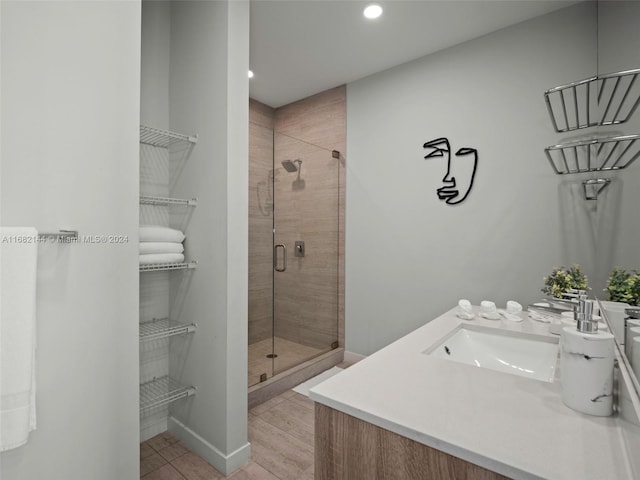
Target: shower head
(290,165)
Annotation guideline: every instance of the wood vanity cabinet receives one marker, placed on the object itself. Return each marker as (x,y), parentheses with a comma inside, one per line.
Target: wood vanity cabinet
(347,448)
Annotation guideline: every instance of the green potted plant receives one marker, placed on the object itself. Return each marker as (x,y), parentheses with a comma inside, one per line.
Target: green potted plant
(624,286)
(563,279)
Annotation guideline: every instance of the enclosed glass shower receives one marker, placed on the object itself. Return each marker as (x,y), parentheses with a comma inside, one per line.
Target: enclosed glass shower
(293,252)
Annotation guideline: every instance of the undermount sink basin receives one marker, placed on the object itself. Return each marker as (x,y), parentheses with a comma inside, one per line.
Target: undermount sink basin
(526,355)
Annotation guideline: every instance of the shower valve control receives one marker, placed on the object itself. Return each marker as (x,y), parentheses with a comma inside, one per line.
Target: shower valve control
(299,248)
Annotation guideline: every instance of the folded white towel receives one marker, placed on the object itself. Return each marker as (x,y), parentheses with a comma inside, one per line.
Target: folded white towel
(161,258)
(160,247)
(157,233)
(488,310)
(465,311)
(18,271)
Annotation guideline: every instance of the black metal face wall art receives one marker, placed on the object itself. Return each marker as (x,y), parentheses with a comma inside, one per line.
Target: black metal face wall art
(461,170)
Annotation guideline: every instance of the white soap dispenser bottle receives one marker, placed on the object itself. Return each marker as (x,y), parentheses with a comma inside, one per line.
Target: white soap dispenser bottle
(586,364)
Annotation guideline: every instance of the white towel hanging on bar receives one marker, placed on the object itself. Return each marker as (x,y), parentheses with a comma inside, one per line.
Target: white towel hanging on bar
(18,271)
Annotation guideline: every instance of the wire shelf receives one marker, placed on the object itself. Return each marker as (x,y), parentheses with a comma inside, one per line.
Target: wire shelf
(162,391)
(597,155)
(163,328)
(165,201)
(156,267)
(178,146)
(608,99)
(164,138)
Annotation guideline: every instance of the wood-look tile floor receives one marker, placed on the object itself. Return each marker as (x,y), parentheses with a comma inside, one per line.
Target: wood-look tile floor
(281,437)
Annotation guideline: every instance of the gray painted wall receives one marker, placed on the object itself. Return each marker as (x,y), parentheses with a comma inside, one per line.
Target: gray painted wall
(70,113)
(410,257)
(208,95)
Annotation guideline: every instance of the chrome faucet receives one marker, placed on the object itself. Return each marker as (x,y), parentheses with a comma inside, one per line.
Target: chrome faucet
(544,310)
(563,304)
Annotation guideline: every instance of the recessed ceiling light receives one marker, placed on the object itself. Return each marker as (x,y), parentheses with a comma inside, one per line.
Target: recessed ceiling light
(250,74)
(372,11)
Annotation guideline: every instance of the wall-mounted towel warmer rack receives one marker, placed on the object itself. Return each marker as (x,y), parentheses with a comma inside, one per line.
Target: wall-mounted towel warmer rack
(63,236)
(608,99)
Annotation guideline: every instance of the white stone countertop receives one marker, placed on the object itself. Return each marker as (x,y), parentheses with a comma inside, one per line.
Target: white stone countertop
(514,426)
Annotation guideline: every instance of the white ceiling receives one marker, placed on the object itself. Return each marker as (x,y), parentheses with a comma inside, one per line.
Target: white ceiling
(302,47)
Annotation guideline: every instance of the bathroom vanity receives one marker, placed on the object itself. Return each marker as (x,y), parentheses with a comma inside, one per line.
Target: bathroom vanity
(408,411)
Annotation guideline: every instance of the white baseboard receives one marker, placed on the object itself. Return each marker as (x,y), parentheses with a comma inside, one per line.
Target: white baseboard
(225,463)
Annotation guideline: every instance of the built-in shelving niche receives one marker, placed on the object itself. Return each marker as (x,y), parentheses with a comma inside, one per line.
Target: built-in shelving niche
(163,390)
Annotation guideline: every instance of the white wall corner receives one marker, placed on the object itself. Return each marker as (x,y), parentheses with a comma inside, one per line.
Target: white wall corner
(225,463)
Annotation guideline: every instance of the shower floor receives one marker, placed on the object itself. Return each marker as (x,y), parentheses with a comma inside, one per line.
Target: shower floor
(289,354)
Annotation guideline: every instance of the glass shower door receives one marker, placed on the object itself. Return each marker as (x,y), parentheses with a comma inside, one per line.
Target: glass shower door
(305,239)
(260,365)
(293,252)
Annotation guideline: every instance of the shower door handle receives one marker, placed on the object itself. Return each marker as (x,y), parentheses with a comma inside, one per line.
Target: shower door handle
(284,258)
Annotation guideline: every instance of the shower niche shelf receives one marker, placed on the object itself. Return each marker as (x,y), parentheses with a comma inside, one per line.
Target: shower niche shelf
(596,155)
(160,328)
(162,391)
(163,155)
(157,267)
(608,99)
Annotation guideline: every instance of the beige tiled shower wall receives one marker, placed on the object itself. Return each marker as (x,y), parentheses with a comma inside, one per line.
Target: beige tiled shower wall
(308,298)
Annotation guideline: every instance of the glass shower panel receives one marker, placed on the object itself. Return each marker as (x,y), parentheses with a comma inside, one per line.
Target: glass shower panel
(260,254)
(305,246)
